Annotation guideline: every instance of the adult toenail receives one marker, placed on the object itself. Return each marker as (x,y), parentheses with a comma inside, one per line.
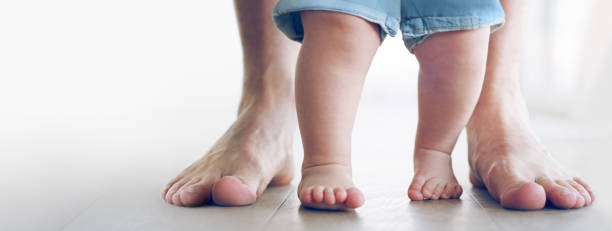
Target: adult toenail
(564,192)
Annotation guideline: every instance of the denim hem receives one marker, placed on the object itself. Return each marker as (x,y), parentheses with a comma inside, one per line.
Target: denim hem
(288,19)
(416,30)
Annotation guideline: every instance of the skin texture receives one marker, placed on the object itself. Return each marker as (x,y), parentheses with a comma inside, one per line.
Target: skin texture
(504,154)
(452,67)
(256,150)
(330,73)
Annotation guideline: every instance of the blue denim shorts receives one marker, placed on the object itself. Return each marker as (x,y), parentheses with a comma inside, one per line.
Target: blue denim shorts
(417,19)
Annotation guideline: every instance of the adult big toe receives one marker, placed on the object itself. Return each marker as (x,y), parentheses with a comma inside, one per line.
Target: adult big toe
(233,191)
(528,196)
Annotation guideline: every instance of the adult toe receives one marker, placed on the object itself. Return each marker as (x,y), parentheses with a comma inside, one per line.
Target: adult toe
(169,185)
(525,196)
(233,191)
(582,191)
(586,186)
(196,194)
(578,198)
(171,193)
(560,195)
(514,190)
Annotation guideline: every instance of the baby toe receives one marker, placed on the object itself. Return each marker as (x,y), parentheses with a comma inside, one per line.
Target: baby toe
(428,188)
(329,196)
(438,191)
(415,195)
(340,194)
(317,194)
(449,191)
(306,195)
(457,191)
(354,198)
(415,188)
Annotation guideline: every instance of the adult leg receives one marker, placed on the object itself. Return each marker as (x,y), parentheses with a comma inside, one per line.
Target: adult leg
(452,67)
(505,155)
(256,150)
(336,54)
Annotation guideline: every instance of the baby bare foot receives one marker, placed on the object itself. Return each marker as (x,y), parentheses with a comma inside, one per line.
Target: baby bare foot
(329,187)
(507,158)
(434,178)
(253,153)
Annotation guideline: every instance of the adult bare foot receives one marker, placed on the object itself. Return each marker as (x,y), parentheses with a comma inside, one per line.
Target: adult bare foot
(254,152)
(329,187)
(434,178)
(507,158)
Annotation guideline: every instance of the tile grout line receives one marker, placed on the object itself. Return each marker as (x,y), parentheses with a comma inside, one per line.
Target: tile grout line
(476,200)
(82,211)
(482,208)
(277,208)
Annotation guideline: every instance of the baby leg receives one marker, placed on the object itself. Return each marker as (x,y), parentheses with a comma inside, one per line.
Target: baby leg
(452,67)
(336,54)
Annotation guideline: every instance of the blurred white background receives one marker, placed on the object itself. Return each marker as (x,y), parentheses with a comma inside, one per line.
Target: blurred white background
(567,59)
(90,90)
